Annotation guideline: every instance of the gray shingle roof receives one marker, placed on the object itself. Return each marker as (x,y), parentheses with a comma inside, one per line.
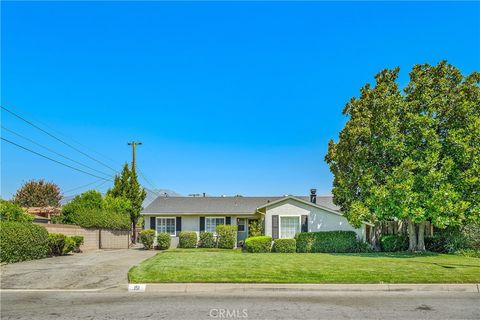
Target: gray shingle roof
(233,205)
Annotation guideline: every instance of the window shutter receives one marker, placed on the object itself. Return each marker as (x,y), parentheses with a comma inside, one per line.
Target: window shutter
(275,226)
(304,223)
(153,221)
(228,220)
(202,223)
(178,224)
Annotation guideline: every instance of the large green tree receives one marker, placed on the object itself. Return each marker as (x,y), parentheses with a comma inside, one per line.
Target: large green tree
(126,185)
(413,156)
(38,193)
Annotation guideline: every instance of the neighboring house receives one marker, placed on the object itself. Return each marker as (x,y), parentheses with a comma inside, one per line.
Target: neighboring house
(282,217)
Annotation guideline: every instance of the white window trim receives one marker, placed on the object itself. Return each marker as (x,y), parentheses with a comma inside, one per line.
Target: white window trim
(280,224)
(215,217)
(156,224)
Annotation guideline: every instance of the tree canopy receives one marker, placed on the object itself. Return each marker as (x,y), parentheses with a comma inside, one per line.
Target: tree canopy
(126,185)
(38,193)
(413,155)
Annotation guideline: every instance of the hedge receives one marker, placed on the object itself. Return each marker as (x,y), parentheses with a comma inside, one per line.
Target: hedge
(20,241)
(328,241)
(56,243)
(226,236)
(259,244)
(163,241)
(146,238)
(78,240)
(207,240)
(392,243)
(187,239)
(91,210)
(285,245)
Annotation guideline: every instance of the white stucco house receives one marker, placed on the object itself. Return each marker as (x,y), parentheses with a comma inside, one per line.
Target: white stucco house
(282,217)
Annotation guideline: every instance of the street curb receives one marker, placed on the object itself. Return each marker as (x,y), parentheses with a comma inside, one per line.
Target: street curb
(243,287)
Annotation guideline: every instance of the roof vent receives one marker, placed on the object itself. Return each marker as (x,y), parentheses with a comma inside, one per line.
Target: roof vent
(313,195)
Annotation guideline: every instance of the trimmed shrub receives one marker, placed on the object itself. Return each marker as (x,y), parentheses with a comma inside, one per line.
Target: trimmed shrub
(78,240)
(259,244)
(328,241)
(146,238)
(187,239)
(163,240)
(362,247)
(285,245)
(20,241)
(226,236)
(207,240)
(56,243)
(393,243)
(69,245)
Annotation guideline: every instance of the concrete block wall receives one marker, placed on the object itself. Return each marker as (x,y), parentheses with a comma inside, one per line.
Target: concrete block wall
(94,239)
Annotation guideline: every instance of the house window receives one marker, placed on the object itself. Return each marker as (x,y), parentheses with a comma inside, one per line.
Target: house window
(289,226)
(212,223)
(241,223)
(166,225)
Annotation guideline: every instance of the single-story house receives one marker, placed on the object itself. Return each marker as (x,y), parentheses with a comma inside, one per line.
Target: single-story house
(282,217)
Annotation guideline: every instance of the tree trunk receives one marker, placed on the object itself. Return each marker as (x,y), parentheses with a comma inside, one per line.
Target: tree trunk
(421,236)
(134,236)
(412,236)
(377,233)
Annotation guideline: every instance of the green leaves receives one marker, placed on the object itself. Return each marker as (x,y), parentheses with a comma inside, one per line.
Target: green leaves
(414,155)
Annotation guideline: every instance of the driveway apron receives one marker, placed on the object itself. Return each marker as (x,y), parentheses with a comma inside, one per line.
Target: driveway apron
(88,270)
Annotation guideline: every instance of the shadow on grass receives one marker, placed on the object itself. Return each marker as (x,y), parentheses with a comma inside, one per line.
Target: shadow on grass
(400,255)
(408,255)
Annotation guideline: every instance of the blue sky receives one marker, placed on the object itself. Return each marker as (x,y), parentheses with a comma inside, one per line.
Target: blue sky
(228,98)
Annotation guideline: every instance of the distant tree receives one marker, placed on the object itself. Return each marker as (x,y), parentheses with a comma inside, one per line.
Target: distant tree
(412,156)
(38,193)
(10,211)
(126,185)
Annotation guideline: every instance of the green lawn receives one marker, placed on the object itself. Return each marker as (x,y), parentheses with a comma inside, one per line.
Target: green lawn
(212,265)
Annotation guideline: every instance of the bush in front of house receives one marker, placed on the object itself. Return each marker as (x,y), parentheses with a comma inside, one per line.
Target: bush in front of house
(20,241)
(207,240)
(163,240)
(393,243)
(56,243)
(69,245)
(259,244)
(146,238)
(226,236)
(285,245)
(187,239)
(327,241)
(464,240)
(78,240)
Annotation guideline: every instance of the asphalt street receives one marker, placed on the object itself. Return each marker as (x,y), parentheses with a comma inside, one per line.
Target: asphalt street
(120,304)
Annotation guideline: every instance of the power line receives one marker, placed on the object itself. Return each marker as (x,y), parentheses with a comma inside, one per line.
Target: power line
(149,182)
(53,151)
(56,138)
(85,185)
(56,161)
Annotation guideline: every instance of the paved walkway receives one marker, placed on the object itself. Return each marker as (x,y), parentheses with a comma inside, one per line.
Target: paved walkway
(88,270)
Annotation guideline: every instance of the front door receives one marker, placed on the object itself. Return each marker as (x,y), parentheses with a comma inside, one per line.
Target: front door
(242,231)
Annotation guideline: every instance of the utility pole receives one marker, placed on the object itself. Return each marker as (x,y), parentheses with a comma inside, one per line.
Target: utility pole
(134,145)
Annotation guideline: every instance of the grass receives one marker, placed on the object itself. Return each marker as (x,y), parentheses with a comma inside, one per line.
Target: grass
(215,265)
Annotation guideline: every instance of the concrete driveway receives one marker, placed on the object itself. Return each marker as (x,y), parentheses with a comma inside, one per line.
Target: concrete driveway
(88,270)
